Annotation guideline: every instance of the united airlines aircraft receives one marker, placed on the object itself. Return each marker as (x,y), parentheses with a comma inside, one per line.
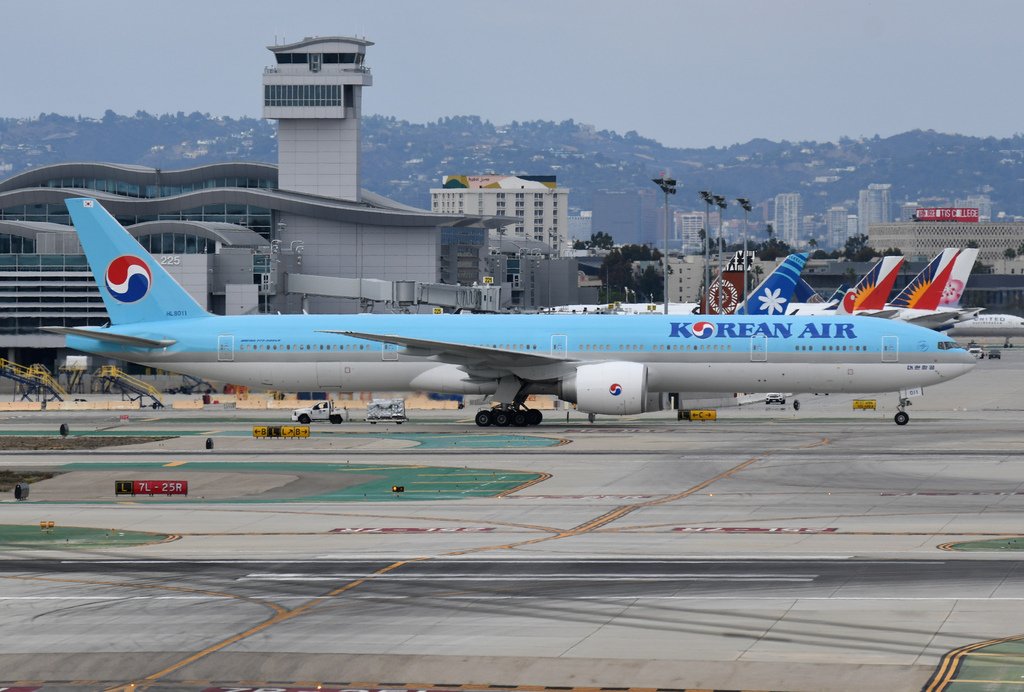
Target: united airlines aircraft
(606,365)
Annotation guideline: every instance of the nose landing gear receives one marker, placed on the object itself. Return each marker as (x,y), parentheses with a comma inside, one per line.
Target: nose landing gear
(902,417)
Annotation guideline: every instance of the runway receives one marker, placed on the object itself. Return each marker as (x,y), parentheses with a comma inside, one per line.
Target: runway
(769,550)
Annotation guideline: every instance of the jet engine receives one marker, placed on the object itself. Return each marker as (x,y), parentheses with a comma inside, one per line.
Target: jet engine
(616,388)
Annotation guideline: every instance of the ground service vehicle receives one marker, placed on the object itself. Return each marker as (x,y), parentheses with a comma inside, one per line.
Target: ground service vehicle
(322,411)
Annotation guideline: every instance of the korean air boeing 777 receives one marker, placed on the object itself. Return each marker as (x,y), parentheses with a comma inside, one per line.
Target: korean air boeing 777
(606,364)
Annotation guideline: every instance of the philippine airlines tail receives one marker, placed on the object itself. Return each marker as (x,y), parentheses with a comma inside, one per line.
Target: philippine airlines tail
(773,294)
(133,286)
(872,292)
(925,290)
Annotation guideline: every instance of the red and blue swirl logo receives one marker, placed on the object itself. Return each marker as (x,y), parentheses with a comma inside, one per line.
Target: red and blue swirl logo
(703,330)
(615,389)
(128,279)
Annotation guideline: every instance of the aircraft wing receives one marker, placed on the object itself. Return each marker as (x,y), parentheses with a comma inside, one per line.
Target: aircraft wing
(884,314)
(934,320)
(111,337)
(459,354)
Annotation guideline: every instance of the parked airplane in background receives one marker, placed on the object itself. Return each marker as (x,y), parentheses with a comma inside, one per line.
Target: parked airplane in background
(611,365)
(995,326)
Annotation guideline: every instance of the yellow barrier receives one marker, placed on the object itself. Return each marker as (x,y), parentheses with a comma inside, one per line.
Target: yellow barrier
(280,431)
(865,404)
(698,414)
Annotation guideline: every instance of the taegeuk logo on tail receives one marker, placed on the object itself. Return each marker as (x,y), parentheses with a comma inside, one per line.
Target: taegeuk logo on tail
(128,279)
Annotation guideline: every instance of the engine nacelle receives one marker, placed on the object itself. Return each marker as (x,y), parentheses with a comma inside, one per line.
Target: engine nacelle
(617,388)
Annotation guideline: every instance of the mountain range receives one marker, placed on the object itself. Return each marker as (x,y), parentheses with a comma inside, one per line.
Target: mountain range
(403,160)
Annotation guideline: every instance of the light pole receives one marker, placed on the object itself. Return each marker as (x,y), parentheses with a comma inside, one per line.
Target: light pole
(745,203)
(668,186)
(722,204)
(709,199)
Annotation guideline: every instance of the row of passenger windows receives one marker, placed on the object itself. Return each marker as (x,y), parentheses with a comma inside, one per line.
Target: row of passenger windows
(832,348)
(303,347)
(703,347)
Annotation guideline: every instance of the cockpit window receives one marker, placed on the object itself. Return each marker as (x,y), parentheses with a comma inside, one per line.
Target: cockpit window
(949,345)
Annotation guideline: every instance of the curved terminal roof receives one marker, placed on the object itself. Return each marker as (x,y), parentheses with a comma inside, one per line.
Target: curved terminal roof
(140,175)
(373,210)
(226,234)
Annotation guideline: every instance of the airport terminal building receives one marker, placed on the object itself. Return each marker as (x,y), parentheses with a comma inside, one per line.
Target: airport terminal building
(246,237)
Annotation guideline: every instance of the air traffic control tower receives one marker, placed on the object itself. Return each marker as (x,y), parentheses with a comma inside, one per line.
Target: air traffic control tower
(315,92)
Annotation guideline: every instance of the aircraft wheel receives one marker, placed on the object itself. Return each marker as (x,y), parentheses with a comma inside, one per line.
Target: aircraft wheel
(796,404)
(901,418)
(304,419)
(483,418)
(520,419)
(501,418)
(534,417)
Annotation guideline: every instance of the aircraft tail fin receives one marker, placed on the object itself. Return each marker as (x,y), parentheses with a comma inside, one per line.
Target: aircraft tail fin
(772,295)
(957,284)
(837,296)
(872,291)
(919,292)
(805,293)
(134,287)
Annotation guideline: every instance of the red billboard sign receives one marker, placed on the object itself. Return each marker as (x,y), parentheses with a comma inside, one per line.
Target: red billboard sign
(151,487)
(962,214)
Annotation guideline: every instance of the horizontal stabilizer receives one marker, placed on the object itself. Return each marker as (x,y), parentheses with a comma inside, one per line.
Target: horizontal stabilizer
(112,337)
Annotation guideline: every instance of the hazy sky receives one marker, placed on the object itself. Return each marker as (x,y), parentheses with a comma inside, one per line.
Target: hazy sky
(687,73)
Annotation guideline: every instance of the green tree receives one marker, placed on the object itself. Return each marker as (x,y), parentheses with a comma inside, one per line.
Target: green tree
(858,250)
(601,241)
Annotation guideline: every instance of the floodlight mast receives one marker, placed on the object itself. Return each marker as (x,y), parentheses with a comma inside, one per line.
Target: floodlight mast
(668,186)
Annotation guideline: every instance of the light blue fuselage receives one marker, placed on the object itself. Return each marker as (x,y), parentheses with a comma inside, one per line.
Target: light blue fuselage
(729,354)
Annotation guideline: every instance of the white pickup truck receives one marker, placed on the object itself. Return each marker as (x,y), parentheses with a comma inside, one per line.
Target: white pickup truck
(322,411)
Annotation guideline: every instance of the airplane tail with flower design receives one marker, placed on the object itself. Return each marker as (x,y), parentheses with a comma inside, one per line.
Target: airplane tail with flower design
(772,296)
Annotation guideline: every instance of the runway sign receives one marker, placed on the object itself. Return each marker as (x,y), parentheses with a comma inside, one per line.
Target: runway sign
(865,404)
(280,431)
(151,487)
(699,414)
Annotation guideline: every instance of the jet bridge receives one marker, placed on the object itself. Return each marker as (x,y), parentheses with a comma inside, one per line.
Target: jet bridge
(397,293)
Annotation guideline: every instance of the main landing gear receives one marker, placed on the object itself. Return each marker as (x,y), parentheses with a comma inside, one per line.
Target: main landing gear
(506,415)
(902,417)
(515,413)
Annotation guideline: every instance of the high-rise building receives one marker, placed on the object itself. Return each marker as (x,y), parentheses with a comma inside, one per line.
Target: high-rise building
(983,203)
(874,206)
(537,199)
(580,226)
(835,225)
(908,211)
(617,213)
(686,234)
(852,226)
(788,217)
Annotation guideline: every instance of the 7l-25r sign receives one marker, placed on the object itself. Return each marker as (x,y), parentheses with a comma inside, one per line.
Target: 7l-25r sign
(151,487)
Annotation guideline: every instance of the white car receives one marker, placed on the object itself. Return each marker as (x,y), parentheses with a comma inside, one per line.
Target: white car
(976,351)
(775,398)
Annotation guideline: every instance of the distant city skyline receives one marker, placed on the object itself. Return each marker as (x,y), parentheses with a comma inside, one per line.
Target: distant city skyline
(688,74)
